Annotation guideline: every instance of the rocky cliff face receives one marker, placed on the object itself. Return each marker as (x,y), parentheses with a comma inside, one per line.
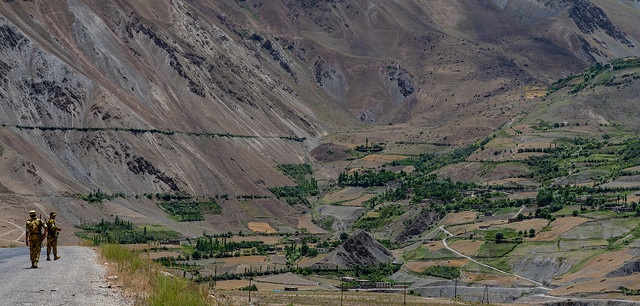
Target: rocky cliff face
(360,249)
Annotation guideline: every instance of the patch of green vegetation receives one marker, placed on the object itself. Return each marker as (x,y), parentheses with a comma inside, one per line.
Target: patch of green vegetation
(474,267)
(162,289)
(191,210)
(366,178)
(306,184)
(385,214)
(98,196)
(429,162)
(495,250)
(158,232)
(447,272)
(120,231)
(379,273)
(423,253)
(627,291)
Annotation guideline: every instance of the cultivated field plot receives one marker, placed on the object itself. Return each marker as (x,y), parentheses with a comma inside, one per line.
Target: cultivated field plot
(305,222)
(360,200)
(525,225)
(261,227)
(593,277)
(244,260)
(383,157)
(558,227)
(460,217)
(602,229)
(624,182)
(343,195)
(467,247)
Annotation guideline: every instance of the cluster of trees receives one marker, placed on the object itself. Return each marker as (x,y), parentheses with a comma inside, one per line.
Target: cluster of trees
(367,178)
(447,272)
(306,185)
(191,210)
(98,196)
(118,231)
(208,247)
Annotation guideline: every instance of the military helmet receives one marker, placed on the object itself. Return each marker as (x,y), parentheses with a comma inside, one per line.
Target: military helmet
(32,213)
(52,214)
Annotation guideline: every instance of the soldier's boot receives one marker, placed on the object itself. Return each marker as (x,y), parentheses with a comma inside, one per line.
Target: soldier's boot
(56,257)
(48,259)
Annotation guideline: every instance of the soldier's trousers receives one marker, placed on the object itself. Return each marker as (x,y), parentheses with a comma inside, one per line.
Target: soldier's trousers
(34,251)
(52,244)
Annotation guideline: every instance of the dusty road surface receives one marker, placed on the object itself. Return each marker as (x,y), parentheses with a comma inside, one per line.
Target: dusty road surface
(75,279)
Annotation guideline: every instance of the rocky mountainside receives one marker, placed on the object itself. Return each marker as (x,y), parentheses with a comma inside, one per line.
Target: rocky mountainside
(360,249)
(205,98)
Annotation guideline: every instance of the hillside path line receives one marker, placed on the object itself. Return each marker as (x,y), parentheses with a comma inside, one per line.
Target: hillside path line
(449,234)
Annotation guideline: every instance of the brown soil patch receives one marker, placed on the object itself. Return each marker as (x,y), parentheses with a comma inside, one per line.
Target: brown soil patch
(346,194)
(329,152)
(421,266)
(384,158)
(558,227)
(460,217)
(232,284)
(358,202)
(434,246)
(467,247)
(596,267)
(261,227)
(287,279)
(305,222)
(241,260)
(532,92)
(493,280)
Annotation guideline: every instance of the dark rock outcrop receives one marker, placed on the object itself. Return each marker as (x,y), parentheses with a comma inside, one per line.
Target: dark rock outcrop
(424,221)
(360,250)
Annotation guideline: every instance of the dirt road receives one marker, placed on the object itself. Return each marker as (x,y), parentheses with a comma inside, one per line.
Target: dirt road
(76,279)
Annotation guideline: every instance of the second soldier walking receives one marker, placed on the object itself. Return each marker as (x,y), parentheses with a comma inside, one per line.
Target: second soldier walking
(53,231)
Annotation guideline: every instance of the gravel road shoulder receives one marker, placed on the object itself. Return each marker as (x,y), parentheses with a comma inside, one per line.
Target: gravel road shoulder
(76,279)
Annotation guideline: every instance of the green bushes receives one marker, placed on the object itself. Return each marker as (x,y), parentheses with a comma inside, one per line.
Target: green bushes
(306,185)
(191,210)
(98,196)
(447,272)
(156,288)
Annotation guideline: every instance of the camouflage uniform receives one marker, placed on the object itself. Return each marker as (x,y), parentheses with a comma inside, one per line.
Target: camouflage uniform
(52,237)
(35,227)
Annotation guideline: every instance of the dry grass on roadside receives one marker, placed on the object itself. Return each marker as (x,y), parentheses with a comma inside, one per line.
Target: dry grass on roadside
(145,282)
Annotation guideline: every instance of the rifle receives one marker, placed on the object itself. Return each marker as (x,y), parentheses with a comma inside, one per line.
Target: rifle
(40,232)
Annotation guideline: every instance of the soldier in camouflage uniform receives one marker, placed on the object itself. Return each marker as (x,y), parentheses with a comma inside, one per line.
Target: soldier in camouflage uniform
(52,237)
(36,229)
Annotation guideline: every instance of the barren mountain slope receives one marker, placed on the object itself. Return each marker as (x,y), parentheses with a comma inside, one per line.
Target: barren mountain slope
(207,97)
(457,68)
(123,98)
